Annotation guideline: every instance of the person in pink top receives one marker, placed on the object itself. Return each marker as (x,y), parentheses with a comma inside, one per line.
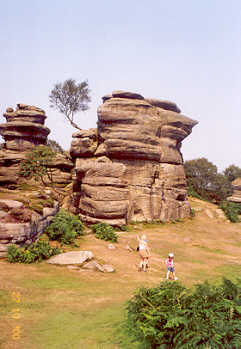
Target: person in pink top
(170,266)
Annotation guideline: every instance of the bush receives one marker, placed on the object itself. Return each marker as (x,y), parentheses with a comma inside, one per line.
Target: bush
(232,210)
(36,252)
(171,316)
(65,227)
(104,231)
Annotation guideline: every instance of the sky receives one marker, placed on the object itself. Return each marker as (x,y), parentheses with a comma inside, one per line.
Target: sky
(188,52)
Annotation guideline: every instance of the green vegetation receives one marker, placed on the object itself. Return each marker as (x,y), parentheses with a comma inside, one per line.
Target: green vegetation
(65,227)
(204,181)
(36,252)
(232,172)
(232,210)
(192,213)
(36,164)
(55,146)
(171,316)
(104,231)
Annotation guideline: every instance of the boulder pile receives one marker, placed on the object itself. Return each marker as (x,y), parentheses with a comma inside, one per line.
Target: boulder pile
(130,168)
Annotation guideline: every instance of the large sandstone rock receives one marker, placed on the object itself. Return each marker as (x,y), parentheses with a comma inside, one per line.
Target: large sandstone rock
(22,232)
(24,128)
(84,143)
(136,172)
(236,195)
(73,257)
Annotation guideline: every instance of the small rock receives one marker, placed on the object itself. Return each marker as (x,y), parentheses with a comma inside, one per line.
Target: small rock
(11,203)
(108,268)
(111,247)
(2,214)
(3,248)
(93,265)
(209,213)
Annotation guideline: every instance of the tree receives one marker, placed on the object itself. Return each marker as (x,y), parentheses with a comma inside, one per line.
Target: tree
(232,172)
(55,146)
(204,180)
(37,163)
(69,98)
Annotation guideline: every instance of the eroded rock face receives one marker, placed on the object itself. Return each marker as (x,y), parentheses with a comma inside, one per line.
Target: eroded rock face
(236,186)
(19,225)
(136,172)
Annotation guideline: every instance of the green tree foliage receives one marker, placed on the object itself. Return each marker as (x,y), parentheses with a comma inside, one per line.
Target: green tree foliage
(35,252)
(232,210)
(65,227)
(171,316)
(232,172)
(204,181)
(36,164)
(104,231)
(69,98)
(55,146)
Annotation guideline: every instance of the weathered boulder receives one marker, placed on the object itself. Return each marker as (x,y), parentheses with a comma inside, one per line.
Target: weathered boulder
(136,172)
(236,195)
(84,143)
(19,225)
(73,257)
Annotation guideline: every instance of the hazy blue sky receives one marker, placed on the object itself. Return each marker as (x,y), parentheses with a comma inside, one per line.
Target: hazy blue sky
(187,51)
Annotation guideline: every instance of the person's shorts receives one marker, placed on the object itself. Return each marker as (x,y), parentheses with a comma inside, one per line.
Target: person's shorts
(171,269)
(143,254)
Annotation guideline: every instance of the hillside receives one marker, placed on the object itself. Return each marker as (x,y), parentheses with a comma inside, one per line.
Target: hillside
(62,308)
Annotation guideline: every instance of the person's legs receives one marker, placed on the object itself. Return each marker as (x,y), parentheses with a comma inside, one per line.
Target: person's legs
(168,272)
(174,276)
(145,262)
(141,264)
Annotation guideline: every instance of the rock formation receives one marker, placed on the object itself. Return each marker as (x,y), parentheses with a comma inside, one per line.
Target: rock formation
(23,130)
(236,195)
(20,225)
(131,167)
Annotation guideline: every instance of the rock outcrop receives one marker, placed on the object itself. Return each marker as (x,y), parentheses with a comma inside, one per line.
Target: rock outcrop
(133,170)
(24,130)
(236,195)
(19,225)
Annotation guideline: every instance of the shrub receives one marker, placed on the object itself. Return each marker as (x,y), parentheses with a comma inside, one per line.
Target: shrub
(65,227)
(192,213)
(36,252)
(171,316)
(104,231)
(232,210)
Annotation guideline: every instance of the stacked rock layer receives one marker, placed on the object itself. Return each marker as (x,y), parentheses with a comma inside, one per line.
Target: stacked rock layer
(133,167)
(24,130)
(236,195)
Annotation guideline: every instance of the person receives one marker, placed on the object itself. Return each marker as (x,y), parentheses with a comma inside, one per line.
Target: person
(170,266)
(144,252)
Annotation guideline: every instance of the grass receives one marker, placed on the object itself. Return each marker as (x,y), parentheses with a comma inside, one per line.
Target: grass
(62,309)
